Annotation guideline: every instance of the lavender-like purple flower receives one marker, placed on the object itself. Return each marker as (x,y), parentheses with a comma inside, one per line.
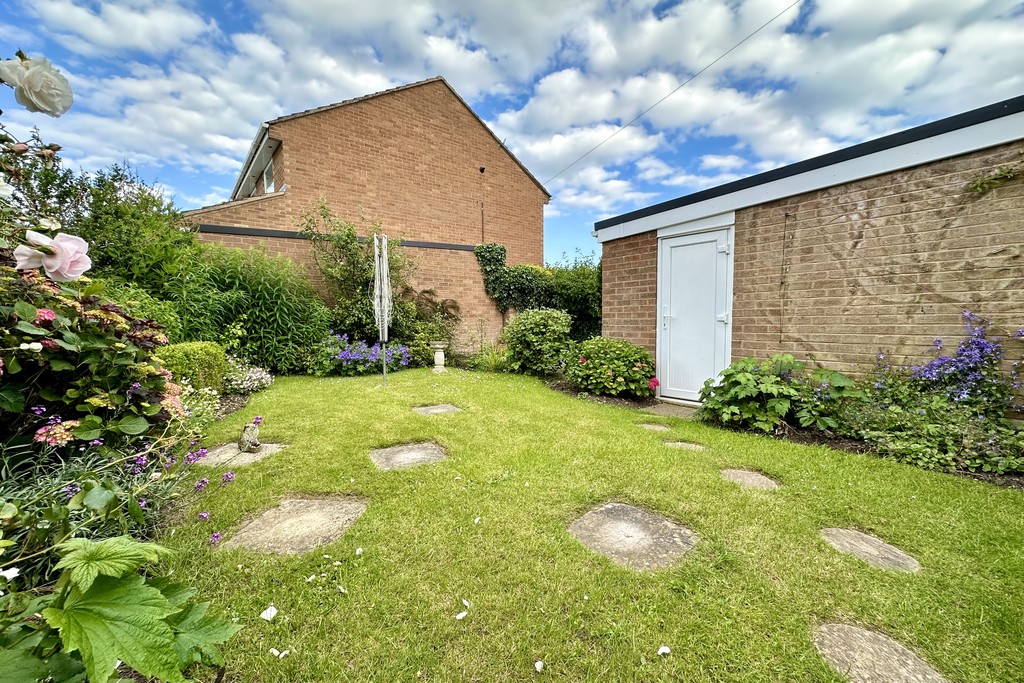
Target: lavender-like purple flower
(71,489)
(142,503)
(38,410)
(257,420)
(215,538)
(227,478)
(201,484)
(203,516)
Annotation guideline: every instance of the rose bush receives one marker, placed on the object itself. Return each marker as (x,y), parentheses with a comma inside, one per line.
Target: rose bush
(38,86)
(64,257)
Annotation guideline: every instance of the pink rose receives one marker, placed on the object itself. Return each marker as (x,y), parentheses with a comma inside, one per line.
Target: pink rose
(64,257)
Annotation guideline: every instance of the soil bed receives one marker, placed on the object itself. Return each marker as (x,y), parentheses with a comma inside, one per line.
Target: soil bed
(230,403)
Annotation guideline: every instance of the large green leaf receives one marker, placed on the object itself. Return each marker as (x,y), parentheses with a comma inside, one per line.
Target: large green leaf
(85,559)
(135,424)
(20,665)
(11,399)
(196,634)
(66,669)
(25,310)
(118,619)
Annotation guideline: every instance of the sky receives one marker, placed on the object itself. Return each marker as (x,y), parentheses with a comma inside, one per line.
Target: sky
(178,88)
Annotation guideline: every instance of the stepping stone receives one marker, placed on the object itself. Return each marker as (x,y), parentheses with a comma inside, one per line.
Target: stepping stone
(654,427)
(868,657)
(439,409)
(633,538)
(407,455)
(749,479)
(228,454)
(685,444)
(298,525)
(874,551)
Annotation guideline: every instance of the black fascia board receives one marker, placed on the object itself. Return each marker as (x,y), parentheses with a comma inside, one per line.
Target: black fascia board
(210,229)
(975,116)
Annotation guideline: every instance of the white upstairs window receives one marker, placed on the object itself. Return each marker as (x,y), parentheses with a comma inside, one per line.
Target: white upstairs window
(268,177)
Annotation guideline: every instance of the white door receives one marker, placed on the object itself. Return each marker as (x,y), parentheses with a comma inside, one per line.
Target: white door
(694,319)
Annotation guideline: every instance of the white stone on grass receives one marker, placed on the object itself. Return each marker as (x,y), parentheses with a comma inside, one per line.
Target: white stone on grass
(874,551)
(632,537)
(438,409)
(750,479)
(685,445)
(228,454)
(654,427)
(864,656)
(407,455)
(298,525)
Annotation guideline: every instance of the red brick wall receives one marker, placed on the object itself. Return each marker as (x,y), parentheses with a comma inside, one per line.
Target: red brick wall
(409,160)
(884,263)
(629,289)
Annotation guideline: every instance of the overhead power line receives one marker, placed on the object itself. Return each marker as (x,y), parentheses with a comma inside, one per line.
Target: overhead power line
(680,87)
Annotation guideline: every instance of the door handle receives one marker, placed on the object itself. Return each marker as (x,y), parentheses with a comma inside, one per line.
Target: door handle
(723,318)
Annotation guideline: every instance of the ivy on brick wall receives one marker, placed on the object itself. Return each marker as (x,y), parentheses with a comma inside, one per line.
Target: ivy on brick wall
(574,288)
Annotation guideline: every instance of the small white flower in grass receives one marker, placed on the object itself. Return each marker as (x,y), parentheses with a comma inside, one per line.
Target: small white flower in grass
(538,665)
(586,597)
(663,650)
(527,484)
(466,603)
(310,578)
(269,613)
(476,521)
(337,563)
(234,620)
(278,653)
(359,551)
(342,589)
(460,616)
(327,557)
(11,573)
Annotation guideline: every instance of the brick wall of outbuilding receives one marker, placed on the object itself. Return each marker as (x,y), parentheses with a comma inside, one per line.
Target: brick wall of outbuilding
(410,160)
(886,263)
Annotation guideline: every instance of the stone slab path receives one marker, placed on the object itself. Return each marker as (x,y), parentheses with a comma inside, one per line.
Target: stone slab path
(632,537)
(654,427)
(228,454)
(874,551)
(407,455)
(298,525)
(438,409)
(868,657)
(685,445)
(671,410)
(750,479)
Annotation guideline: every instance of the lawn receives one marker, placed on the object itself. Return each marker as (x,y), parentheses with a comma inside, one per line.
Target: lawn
(527,461)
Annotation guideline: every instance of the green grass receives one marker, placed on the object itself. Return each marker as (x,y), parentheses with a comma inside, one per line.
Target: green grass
(740,606)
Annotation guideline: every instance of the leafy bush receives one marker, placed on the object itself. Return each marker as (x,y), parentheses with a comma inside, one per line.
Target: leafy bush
(577,291)
(104,611)
(139,303)
(203,364)
(242,378)
(536,340)
(336,355)
(751,394)
(610,366)
(490,358)
(284,315)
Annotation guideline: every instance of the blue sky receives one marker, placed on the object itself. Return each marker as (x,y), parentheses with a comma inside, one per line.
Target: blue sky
(179,88)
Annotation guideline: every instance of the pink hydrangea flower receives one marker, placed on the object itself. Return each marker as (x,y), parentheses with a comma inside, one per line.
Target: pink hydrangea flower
(44,315)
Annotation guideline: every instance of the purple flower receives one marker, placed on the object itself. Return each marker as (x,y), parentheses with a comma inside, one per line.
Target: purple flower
(215,539)
(257,420)
(96,442)
(937,342)
(1019,333)
(142,503)
(38,410)
(201,484)
(204,515)
(227,478)
(71,489)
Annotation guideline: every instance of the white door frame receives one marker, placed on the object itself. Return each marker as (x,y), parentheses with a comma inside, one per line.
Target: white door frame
(714,223)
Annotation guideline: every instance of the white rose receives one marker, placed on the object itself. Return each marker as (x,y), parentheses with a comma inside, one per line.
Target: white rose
(12,71)
(6,190)
(42,88)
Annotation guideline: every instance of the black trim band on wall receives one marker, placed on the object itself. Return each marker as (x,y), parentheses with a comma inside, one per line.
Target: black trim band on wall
(289,235)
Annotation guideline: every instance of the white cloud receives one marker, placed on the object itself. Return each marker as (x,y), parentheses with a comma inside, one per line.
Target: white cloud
(149,27)
(722,161)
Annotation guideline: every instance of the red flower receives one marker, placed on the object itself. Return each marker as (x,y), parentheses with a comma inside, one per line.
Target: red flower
(653,384)
(582,360)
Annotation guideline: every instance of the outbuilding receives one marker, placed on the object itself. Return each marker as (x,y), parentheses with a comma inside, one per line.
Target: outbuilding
(879,247)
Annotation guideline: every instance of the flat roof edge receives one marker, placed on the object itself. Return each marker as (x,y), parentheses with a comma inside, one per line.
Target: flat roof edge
(950,124)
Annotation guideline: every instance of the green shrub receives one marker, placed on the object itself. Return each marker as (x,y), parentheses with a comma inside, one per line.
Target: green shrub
(139,303)
(203,364)
(610,366)
(284,316)
(490,358)
(752,395)
(536,340)
(576,289)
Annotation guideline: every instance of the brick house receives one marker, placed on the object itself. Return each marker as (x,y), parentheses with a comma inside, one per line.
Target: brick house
(877,247)
(416,159)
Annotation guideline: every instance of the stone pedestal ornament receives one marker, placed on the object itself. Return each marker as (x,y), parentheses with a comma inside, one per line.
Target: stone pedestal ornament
(439,347)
